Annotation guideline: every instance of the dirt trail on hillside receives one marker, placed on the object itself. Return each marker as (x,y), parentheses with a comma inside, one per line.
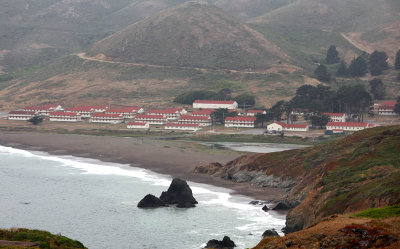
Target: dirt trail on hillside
(357,44)
(271,70)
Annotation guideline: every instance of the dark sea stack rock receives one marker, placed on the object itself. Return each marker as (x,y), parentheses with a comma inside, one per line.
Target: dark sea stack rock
(179,193)
(226,243)
(286,205)
(265,208)
(270,233)
(150,201)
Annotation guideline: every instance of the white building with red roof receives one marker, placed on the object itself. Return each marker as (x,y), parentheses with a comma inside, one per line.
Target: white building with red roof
(347,126)
(107,118)
(98,108)
(127,112)
(151,119)
(240,122)
(169,114)
(215,104)
(65,117)
(200,120)
(183,127)
(20,115)
(336,117)
(387,108)
(44,109)
(279,126)
(84,111)
(253,113)
(138,125)
(203,113)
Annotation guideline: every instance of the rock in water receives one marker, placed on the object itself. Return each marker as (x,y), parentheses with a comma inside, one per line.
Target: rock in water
(179,193)
(265,208)
(270,233)
(226,243)
(150,201)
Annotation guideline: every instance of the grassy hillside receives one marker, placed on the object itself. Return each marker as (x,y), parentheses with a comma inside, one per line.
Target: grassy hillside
(72,81)
(306,28)
(46,239)
(191,35)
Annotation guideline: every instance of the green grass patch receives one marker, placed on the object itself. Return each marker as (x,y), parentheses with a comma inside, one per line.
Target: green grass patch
(379,213)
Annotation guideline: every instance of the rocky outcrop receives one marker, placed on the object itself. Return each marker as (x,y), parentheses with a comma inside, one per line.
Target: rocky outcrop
(178,193)
(212,169)
(225,243)
(265,208)
(286,205)
(150,201)
(270,233)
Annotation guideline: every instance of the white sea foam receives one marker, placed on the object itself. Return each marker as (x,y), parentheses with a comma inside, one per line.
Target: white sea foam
(215,196)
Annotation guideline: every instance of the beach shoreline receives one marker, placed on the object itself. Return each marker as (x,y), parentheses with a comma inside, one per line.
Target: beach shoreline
(137,152)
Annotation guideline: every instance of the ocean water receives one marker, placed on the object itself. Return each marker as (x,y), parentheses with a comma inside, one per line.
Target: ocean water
(95,202)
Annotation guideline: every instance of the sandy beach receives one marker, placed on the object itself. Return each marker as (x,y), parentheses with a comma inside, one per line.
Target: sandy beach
(139,152)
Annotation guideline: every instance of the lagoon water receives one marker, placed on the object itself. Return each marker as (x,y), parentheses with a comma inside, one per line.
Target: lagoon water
(254,147)
(95,203)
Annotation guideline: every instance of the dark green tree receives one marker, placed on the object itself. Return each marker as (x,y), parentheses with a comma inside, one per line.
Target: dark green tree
(397,106)
(322,73)
(225,94)
(261,118)
(378,62)
(332,56)
(397,60)
(319,120)
(377,89)
(245,100)
(354,99)
(277,110)
(358,67)
(342,71)
(35,120)
(218,117)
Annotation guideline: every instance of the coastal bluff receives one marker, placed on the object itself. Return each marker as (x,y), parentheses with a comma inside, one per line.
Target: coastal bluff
(347,175)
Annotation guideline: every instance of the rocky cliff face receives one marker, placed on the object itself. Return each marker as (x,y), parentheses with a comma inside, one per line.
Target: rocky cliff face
(358,172)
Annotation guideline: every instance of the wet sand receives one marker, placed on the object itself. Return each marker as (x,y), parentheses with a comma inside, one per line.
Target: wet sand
(139,152)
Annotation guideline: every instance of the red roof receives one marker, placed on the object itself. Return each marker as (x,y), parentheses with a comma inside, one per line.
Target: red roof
(124,110)
(291,125)
(64,114)
(150,116)
(98,107)
(347,124)
(389,103)
(165,111)
(137,123)
(333,114)
(204,112)
(213,102)
(21,113)
(79,109)
(182,125)
(255,111)
(103,115)
(194,118)
(245,119)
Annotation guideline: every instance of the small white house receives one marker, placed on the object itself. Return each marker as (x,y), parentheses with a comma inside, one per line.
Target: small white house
(44,109)
(20,115)
(279,126)
(240,122)
(126,112)
(84,111)
(336,117)
(65,117)
(347,126)
(183,127)
(106,118)
(138,125)
(215,104)
(203,113)
(168,114)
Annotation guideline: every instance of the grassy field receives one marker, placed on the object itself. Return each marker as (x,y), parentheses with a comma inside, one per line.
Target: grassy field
(379,213)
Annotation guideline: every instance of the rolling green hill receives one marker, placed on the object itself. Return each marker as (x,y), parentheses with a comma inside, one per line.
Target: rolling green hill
(191,35)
